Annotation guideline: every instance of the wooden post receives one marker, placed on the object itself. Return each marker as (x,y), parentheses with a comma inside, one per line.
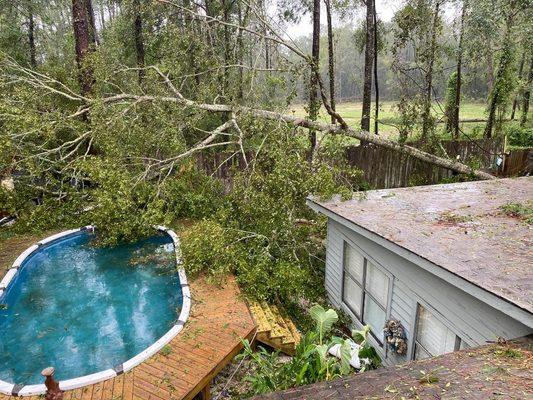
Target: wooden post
(205,393)
(52,386)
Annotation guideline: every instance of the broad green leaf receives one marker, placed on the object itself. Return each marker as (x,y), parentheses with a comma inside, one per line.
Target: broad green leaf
(324,319)
(359,336)
(346,355)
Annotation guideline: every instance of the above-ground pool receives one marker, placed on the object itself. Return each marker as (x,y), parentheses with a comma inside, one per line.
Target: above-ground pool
(85,309)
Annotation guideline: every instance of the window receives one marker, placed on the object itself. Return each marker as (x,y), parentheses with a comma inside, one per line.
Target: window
(365,290)
(433,337)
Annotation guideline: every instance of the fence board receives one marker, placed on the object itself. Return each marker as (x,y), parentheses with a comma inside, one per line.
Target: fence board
(384,168)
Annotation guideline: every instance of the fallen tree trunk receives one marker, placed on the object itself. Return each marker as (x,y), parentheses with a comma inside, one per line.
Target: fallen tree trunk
(41,81)
(308,124)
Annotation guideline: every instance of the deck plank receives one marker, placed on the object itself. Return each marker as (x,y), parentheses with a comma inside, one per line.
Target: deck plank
(213,334)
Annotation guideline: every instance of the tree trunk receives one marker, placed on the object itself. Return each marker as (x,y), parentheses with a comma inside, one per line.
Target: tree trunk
(314,105)
(331,59)
(426,113)
(495,92)
(520,72)
(139,42)
(369,62)
(225,4)
(82,42)
(458,81)
(490,67)
(527,95)
(93,33)
(376,82)
(111,9)
(295,121)
(240,51)
(31,37)
(102,16)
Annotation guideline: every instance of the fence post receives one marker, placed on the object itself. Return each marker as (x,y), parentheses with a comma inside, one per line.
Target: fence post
(52,386)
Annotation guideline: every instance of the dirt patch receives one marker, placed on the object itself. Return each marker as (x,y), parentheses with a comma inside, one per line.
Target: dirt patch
(10,248)
(230,383)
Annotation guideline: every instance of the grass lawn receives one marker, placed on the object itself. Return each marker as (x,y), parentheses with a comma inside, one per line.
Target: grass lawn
(388,115)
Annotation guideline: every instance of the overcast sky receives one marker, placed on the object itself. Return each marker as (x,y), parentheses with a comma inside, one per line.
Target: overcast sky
(384,8)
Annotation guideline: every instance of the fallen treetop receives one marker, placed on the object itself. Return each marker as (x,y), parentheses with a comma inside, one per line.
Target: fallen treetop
(49,84)
(324,127)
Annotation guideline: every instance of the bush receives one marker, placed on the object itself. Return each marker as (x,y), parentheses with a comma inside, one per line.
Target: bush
(265,233)
(311,362)
(519,136)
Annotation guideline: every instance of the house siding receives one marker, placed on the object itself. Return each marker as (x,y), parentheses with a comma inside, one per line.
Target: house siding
(472,320)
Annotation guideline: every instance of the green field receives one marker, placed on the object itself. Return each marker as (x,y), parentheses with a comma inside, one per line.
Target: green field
(388,115)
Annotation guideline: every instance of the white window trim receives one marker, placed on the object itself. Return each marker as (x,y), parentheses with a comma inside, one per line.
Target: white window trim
(359,319)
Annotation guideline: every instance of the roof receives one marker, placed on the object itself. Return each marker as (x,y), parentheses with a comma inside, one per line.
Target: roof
(488,372)
(459,227)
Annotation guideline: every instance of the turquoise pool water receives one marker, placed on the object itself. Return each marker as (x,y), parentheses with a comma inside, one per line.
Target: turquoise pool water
(83,309)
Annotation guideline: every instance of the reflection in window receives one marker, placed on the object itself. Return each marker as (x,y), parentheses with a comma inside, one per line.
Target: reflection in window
(365,290)
(433,337)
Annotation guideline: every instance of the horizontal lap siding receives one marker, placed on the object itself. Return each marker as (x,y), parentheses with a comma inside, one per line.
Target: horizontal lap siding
(473,320)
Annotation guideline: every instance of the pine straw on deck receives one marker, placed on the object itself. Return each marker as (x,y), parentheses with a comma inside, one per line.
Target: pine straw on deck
(211,337)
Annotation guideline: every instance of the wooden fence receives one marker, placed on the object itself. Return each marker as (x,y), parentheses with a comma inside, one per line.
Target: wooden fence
(384,168)
(517,163)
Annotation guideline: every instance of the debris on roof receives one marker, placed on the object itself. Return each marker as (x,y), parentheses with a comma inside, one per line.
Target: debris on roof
(480,231)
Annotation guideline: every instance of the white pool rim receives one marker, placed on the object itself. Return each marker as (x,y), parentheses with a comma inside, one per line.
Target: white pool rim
(11,389)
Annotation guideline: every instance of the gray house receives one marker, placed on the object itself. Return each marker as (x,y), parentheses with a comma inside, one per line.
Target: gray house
(453,263)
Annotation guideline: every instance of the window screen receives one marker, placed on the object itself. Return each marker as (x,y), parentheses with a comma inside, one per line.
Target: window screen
(433,337)
(365,290)
(353,295)
(354,263)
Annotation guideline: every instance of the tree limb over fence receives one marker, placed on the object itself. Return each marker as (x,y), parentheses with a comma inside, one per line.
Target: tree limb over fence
(43,82)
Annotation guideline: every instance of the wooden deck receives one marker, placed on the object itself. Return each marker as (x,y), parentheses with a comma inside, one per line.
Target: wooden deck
(211,337)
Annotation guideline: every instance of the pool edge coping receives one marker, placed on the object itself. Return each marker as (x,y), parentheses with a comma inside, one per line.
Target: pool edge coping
(11,389)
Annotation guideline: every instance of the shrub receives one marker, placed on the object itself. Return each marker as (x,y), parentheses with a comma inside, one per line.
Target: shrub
(519,136)
(311,362)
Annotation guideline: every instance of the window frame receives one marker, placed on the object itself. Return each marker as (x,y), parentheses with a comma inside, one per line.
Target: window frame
(365,292)
(435,314)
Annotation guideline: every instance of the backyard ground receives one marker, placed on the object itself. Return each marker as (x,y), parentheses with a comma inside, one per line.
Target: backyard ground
(388,115)
(12,246)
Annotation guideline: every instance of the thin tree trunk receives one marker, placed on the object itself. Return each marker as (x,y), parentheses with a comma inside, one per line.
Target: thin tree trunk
(520,72)
(527,95)
(331,59)
(490,67)
(426,114)
(139,42)
(376,81)
(82,42)
(227,52)
(495,92)
(314,105)
(102,16)
(240,53)
(31,37)
(458,81)
(369,62)
(111,9)
(93,33)
(191,28)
